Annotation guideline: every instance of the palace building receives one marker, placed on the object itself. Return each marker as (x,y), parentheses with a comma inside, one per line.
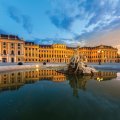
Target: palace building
(31,52)
(48,53)
(14,49)
(55,53)
(11,48)
(100,53)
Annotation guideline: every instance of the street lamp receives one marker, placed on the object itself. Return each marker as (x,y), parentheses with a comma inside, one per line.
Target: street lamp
(100,57)
(65,58)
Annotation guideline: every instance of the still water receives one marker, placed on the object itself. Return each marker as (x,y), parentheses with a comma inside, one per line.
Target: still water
(49,95)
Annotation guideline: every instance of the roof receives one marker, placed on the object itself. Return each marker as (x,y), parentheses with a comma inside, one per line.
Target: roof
(13,37)
(30,43)
(45,46)
(71,47)
(100,46)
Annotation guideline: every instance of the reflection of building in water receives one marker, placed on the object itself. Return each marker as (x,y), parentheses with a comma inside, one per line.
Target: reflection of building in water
(11,80)
(105,75)
(45,75)
(79,82)
(17,79)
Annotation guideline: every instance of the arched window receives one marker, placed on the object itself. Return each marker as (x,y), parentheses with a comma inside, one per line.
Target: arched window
(4,52)
(18,44)
(18,59)
(18,52)
(12,52)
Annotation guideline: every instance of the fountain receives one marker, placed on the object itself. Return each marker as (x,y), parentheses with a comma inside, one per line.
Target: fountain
(78,65)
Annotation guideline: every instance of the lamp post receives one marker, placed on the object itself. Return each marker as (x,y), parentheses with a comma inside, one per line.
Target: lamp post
(65,58)
(100,56)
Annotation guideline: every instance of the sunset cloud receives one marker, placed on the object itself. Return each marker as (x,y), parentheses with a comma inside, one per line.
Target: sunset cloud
(84,17)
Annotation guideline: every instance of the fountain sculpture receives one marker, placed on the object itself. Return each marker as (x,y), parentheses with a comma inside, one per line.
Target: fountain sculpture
(78,65)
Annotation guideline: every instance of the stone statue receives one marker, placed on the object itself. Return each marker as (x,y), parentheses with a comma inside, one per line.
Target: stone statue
(78,64)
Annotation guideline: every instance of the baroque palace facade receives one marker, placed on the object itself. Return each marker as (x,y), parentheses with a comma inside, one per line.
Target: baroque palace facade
(11,48)
(14,49)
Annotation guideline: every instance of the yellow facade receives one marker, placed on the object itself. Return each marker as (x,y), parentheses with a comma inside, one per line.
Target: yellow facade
(60,53)
(11,48)
(55,53)
(100,53)
(31,52)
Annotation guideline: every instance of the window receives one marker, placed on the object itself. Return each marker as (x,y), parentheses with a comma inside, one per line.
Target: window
(19,73)
(12,52)
(4,52)
(18,52)
(4,43)
(18,44)
(12,45)
(18,59)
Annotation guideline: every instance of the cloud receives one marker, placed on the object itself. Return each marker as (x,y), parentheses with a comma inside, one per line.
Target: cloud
(68,42)
(91,16)
(63,23)
(20,18)
(62,15)
(27,24)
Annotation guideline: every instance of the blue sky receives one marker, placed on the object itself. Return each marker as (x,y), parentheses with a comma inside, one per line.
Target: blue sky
(59,21)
